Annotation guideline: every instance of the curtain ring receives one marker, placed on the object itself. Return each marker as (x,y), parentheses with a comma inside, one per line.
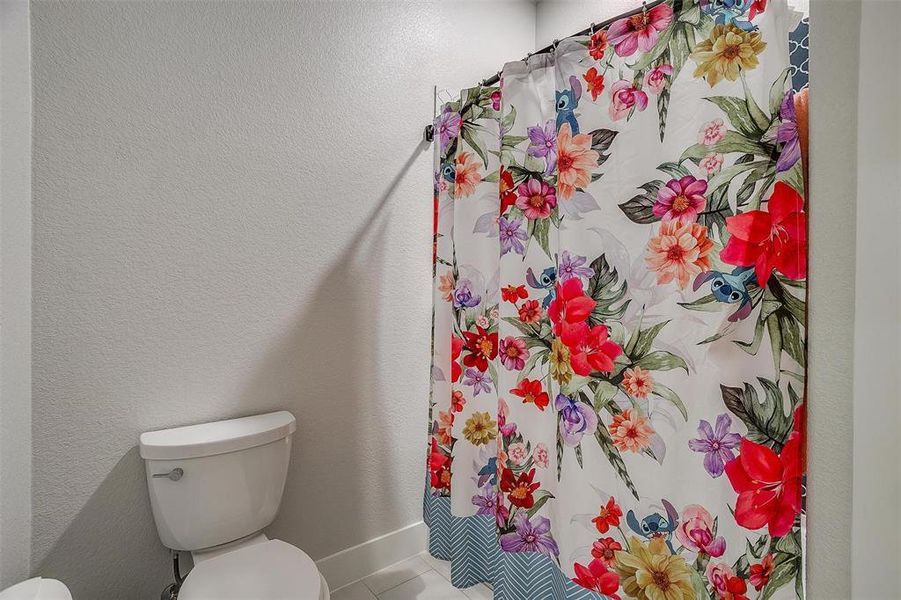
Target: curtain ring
(644,8)
(591,30)
(554,45)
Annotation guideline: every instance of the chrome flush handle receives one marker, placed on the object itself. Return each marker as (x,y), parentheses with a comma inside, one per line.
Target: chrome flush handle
(174,475)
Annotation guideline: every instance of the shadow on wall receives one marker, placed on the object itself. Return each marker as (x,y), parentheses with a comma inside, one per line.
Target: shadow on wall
(121,503)
(328,375)
(315,372)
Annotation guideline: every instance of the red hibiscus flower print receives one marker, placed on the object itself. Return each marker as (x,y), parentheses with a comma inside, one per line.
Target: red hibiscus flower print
(456,349)
(735,589)
(570,307)
(759,574)
(482,347)
(605,550)
(595,82)
(514,293)
(757,7)
(768,485)
(597,578)
(597,46)
(590,349)
(770,240)
(439,467)
(530,312)
(506,190)
(608,517)
(530,391)
(519,489)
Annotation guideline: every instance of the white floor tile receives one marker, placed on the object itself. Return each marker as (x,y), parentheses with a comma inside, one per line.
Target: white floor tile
(354,591)
(396,574)
(428,586)
(442,566)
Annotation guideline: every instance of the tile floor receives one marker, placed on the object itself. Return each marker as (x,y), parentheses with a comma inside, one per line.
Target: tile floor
(419,578)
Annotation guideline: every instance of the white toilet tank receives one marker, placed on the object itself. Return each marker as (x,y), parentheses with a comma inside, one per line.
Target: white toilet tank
(214,483)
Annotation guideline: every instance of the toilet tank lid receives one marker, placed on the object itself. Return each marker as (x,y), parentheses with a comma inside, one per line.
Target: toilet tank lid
(207,439)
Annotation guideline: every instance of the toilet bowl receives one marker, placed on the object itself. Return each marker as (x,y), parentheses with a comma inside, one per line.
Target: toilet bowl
(37,588)
(213,488)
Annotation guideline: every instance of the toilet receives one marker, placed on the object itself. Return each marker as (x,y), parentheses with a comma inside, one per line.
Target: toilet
(213,489)
(37,588)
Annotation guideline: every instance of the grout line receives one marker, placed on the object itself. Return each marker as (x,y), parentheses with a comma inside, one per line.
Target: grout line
(383,592)
(446,577)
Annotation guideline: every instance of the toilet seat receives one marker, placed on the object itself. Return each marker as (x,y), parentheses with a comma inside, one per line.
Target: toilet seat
(270,570)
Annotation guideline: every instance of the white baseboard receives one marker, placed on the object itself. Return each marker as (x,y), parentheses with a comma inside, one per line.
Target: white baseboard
(357,562)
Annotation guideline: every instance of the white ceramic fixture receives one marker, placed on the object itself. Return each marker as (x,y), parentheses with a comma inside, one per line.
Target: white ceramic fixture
(213,488)
(37,589)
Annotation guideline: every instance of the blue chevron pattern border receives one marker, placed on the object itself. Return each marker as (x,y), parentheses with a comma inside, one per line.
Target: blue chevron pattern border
(470,544)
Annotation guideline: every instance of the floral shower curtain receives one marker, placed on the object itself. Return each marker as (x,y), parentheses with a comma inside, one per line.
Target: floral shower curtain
(619,324)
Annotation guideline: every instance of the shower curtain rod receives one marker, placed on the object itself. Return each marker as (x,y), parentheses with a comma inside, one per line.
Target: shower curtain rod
(429,132)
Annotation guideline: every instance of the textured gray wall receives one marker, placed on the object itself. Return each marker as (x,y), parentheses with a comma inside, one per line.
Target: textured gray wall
(15,292)
(232,214)
(876,541)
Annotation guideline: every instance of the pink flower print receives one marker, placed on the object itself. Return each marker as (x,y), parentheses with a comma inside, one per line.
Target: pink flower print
(655,79)
(639,32)
(540,456)
(536,199)
(712,132)
(681,199)
(513,353)
(711,163)
(496,100)
(624,97)
(517,453)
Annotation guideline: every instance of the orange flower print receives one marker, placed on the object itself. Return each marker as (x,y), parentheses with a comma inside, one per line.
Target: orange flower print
(575,161)
(446,285)
(530,311)
(608,517)
(595,82)
(467,177)
(597,46)
(679,252)
(445,426)
(630,431)
(638,382)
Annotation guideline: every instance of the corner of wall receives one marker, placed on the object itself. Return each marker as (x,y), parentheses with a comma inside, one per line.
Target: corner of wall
(834,68)
(15,292)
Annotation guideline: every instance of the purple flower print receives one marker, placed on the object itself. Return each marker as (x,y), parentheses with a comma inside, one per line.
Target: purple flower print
(480,382)
(576,419)
(570,266)
(447,125)
(716,445)
(530,536)
(512,235)
(464,296)
(787,134)
(543,144)
(491,502)
(486,500)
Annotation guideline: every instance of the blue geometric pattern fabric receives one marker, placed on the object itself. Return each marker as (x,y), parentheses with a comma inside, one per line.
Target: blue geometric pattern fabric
(799,51)
(470,544)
